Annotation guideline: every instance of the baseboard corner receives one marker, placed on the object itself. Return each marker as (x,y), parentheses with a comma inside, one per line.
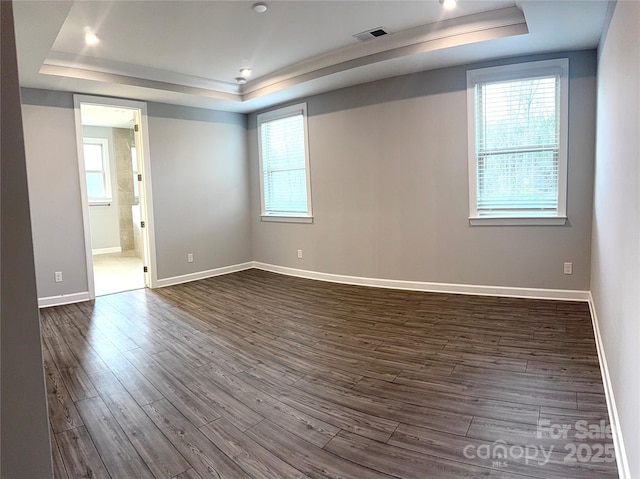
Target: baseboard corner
(185,278)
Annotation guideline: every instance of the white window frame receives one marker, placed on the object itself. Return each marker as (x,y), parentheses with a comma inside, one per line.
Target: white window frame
(518,72)
(106,171)
(285,217)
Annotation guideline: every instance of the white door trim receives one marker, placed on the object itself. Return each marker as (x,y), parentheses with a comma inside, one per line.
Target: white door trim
(150,250)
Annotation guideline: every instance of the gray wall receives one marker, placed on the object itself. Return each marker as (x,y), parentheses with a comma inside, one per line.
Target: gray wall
(390,189)
(200,188)
(615,278)
(24,431)
(54,191)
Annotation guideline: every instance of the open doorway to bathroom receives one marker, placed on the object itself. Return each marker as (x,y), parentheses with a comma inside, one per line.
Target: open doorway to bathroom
(111,168)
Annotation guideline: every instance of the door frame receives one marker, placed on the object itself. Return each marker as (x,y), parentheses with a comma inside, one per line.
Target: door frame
(145,192)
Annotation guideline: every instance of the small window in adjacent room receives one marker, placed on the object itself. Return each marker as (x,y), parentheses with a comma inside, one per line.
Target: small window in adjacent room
(518,143)
(96,163)
(284,165)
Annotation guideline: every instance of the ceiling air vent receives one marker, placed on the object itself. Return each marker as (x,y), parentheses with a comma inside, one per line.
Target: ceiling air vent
(370,34)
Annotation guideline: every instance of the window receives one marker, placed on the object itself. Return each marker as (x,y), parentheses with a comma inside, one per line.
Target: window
(518,143)
(96,164)
(284,165)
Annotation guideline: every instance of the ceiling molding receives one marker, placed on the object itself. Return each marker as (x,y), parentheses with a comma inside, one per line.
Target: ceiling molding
(445,34)
(454,32)
(296,50)
(97,76)
(128,70)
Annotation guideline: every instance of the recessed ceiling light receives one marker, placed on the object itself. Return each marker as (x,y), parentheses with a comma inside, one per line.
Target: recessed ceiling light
(245,72)
(91,38)
(241,80)
(259,7)
(448,4)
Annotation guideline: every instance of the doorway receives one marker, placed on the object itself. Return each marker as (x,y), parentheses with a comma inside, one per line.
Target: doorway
(115,194)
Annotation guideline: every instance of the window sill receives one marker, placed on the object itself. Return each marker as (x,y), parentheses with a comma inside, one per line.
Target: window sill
(518,221)
(286,219)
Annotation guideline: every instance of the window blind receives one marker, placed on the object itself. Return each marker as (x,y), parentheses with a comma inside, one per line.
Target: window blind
(517,146)
(283,165)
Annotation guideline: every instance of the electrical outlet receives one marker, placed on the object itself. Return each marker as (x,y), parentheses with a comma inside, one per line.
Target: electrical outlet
(568,268)
(58,276)
(299,254)
(190,258)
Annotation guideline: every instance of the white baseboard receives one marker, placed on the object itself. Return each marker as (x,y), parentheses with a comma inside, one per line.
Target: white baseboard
(63,299)
(113,249)
(185,278)
(534,293)
(618,442)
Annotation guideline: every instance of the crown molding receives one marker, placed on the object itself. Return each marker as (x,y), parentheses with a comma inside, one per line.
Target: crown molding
(449,33)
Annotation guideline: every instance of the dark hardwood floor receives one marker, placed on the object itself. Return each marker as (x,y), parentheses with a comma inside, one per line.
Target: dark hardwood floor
(258,375)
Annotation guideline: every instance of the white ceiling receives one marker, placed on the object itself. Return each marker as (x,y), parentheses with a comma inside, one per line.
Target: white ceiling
(112,117)
(189,52)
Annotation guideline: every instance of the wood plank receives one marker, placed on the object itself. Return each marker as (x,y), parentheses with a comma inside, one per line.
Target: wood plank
(80,348)
(108,353)
(527,381)
(579,346)
(343,417)
(190,474)
(78,383)
(387,408)
(494,360)
(592,401)
(62,411)
(578,426)
(463,404)
(137,385)
(59,470)
(276,356)
(395,360)
(309,459)
(539,463)
(299,423)
(250,456)
(564,368)
(350,365)
(483,389)
(517,433)
(400,462)
(224,402)
(80,456)
(96,317)
(143,337)
(198,411)
(204,457)
(567,416)
(161,457)
(61,355)
(118,454)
